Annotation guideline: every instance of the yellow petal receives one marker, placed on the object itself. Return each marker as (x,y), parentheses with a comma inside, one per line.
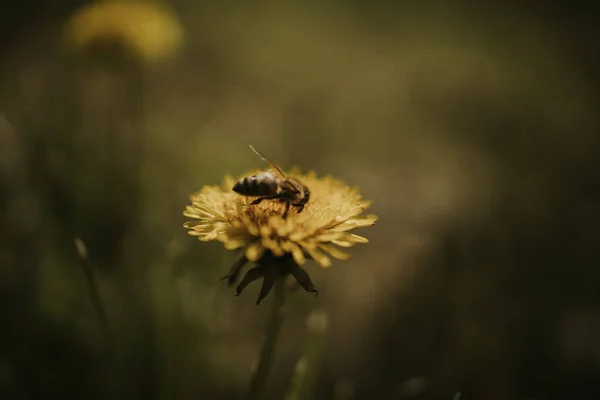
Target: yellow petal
(270,243)
(253,230)
(351,224)
(359,239)
(265,230)
(278,251)
(298,255)
(202,210)
(343,243)
(372,217)
(255,251)
(287,246)
(190,212)
(295,250)
(319,258)
(335,252)
(234,244)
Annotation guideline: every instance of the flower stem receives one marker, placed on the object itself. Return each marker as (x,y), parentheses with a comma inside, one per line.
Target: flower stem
(93,290)
(274,323)
(101,314)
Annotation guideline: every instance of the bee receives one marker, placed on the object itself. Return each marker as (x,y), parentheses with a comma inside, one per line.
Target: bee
(273,185)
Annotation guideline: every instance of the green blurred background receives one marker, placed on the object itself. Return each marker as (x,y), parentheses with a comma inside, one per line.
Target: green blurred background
(473,129)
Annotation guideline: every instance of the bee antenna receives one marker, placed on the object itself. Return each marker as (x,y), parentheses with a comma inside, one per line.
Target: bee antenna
(266,160)
(258,153)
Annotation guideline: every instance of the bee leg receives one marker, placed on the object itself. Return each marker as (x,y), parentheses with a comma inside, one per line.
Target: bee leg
(257,201)
(300,207)
(287,209)
(260,199)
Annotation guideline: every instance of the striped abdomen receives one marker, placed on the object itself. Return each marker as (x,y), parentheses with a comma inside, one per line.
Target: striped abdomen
(263,184)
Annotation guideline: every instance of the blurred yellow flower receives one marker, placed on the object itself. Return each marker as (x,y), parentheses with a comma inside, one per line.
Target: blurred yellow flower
(280,245)
(147,29)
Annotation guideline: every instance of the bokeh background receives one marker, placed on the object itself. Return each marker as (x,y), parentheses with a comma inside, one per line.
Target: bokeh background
(474,129)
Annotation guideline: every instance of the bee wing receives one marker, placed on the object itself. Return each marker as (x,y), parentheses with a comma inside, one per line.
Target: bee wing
(272,165)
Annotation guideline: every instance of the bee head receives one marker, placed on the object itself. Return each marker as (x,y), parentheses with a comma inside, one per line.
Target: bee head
(299,193)
(305,195)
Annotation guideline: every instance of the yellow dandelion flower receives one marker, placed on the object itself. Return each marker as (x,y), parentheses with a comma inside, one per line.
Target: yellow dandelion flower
(147,29)
(278,245)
